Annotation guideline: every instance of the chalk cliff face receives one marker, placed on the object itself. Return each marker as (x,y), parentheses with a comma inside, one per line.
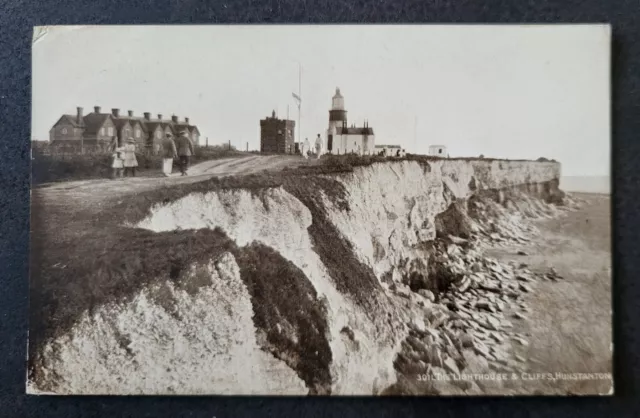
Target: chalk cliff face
(306,298)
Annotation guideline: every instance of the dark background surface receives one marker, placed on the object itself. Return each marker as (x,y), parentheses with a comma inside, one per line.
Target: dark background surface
(16,21)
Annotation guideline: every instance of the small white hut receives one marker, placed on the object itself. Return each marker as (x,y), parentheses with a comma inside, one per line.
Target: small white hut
(438,151)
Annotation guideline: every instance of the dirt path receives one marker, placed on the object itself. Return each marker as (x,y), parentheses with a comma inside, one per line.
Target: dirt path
(86,192)
(570,322)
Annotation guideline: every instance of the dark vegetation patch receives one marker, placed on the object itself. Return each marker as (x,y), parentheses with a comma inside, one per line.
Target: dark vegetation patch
(280,292)
(351,276)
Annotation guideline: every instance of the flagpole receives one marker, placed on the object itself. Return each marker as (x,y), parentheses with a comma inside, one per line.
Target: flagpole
(299,101)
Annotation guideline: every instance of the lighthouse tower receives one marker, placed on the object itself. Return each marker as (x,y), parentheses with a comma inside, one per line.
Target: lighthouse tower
(337,114)
(337,120)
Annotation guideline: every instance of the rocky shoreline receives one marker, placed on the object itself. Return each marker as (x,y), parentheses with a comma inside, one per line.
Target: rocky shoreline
(471,327)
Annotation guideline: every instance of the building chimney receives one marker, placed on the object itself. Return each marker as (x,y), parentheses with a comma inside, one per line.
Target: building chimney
(96,109)
(79,115)
(130,113)
(116,112)
(160,116)
(147,115)
(174,119)
(186,120)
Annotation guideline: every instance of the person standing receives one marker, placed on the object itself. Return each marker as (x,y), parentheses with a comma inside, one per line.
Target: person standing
(306,148)
(185,150)
(169,153)
(117,164)
(129,156)
(318,146)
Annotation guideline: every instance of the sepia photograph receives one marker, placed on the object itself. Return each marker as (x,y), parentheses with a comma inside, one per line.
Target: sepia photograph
(333,210)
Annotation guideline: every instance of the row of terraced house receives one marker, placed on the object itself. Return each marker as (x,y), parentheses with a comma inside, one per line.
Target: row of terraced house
(96,130)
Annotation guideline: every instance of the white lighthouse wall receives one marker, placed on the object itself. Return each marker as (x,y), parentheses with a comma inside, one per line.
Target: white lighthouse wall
(346,144)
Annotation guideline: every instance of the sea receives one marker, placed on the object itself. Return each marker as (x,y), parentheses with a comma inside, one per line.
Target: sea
(586,184)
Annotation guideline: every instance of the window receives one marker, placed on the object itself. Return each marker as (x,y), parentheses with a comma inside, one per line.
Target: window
(440,151)
(110,131)
(64,131)
(101,131)
(137,133)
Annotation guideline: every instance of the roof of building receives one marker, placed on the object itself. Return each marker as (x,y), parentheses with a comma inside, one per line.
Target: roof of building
(94,121)
(337,95)
(152,125)
(354,131)
(181,125)
(133,120)
(120,122)
(70,119)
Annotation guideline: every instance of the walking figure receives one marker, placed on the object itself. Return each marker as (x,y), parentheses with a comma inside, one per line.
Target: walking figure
(129,156)
(169,153)
(185,150)
(117,164)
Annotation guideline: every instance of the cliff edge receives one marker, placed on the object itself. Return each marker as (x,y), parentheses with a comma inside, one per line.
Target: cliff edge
(290,283)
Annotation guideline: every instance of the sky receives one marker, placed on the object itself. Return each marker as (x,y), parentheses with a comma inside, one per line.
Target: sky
(524,91)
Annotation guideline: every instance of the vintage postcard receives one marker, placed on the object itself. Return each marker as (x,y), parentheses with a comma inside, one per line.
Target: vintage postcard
(321,210)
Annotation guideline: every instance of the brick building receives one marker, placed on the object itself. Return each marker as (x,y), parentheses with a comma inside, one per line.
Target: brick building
(277,135)
(95,131)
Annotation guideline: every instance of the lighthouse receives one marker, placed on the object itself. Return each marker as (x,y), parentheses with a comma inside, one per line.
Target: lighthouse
(337,114)
(342,139)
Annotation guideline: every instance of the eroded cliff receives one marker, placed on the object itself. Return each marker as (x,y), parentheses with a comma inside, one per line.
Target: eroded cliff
(301,284)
